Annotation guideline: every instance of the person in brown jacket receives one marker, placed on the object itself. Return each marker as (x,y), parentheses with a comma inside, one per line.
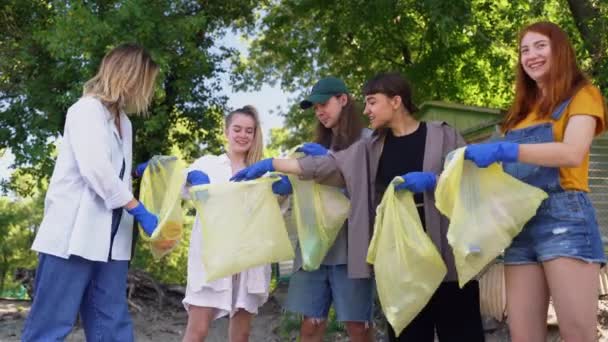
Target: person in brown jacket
(415,150)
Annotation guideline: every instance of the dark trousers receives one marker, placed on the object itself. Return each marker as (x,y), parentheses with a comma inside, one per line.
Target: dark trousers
(451,312)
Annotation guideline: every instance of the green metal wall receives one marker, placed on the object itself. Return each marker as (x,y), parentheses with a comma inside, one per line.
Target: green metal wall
(475,123)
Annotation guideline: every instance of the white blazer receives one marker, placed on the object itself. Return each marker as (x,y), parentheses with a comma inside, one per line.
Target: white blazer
(86,187)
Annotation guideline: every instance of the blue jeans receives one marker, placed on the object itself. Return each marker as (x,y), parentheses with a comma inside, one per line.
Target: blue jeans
(312,293)
(65,287)
(564,226)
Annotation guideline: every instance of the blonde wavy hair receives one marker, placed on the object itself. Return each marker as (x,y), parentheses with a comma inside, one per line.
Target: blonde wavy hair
(125,79)
(256,151)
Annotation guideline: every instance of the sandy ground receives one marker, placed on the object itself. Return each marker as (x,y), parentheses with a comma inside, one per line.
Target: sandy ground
(168,324)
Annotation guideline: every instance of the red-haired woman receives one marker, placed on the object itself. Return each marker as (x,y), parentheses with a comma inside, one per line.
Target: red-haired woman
(547,136)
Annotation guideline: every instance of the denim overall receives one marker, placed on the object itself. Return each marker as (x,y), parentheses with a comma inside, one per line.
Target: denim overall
(65,288)
(565,224)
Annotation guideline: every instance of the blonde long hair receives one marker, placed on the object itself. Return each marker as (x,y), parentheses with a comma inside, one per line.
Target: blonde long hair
(125,78)
(256,151)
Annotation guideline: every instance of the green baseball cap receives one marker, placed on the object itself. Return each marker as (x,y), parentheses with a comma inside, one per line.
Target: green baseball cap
(323,90)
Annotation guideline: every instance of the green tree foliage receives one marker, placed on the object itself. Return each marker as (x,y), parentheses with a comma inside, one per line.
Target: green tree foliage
(48,49)
(591,20)
(453,50)
(18,222)
(280,142)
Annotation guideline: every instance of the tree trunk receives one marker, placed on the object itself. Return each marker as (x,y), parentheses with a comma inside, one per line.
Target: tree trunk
(592,28)
(4,264)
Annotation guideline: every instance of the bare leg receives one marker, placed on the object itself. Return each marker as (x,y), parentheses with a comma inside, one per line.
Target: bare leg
(359,331)
(199,320)
(527,302)
(312,329)
(574,288)
(240,326)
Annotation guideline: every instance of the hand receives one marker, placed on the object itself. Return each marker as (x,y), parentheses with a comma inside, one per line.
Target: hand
(483,155)
(417,182)
(146,220)
(312,149)
(282,186)
(253,171)
(139,170)
(197,177)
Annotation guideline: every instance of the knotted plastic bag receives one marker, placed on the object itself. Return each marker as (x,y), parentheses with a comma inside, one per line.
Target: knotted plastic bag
(407,266)
(160,192)
(242,226)
(487,208)
(318,213)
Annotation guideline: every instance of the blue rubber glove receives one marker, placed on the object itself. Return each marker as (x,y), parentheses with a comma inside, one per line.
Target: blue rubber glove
(312,149)
(483,155)
(282,186)
(418,182)
(197,177)
(146,220)
(253,171)
(139,170)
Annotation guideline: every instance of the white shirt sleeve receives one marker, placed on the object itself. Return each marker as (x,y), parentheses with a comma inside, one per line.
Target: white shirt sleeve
(86,124)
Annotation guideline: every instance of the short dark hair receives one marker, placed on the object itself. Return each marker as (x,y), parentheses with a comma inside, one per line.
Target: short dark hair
(391,84)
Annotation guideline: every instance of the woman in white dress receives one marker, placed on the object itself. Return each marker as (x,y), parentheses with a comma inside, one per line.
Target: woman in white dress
(241,295)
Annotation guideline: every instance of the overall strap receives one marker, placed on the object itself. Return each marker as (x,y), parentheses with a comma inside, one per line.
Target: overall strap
(559,110)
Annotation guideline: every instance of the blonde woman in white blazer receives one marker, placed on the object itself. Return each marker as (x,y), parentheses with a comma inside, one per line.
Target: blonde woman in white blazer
(84,240)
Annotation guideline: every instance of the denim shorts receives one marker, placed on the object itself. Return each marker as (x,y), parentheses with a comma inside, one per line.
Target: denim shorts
(565,225)
(312,293)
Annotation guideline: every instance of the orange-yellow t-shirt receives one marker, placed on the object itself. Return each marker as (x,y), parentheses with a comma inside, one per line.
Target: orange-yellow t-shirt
(587,101)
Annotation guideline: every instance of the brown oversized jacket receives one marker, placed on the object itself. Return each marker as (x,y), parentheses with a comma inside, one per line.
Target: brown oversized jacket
(356,168)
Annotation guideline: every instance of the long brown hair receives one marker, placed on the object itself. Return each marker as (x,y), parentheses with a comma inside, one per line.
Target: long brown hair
(125,78)
(257,146)
(348,129)
(565,77)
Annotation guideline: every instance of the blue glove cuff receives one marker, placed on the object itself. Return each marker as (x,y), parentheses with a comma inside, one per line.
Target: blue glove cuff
(146,220)
(432,180)
(140,169)
(282,186)
(268,165)
(509,152)
(197,177)
(138,210)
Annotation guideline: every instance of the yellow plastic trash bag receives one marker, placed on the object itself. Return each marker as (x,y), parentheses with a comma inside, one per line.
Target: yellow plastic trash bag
(160,192)
(318,212)
(242,226)
(407,265)
(487,208)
